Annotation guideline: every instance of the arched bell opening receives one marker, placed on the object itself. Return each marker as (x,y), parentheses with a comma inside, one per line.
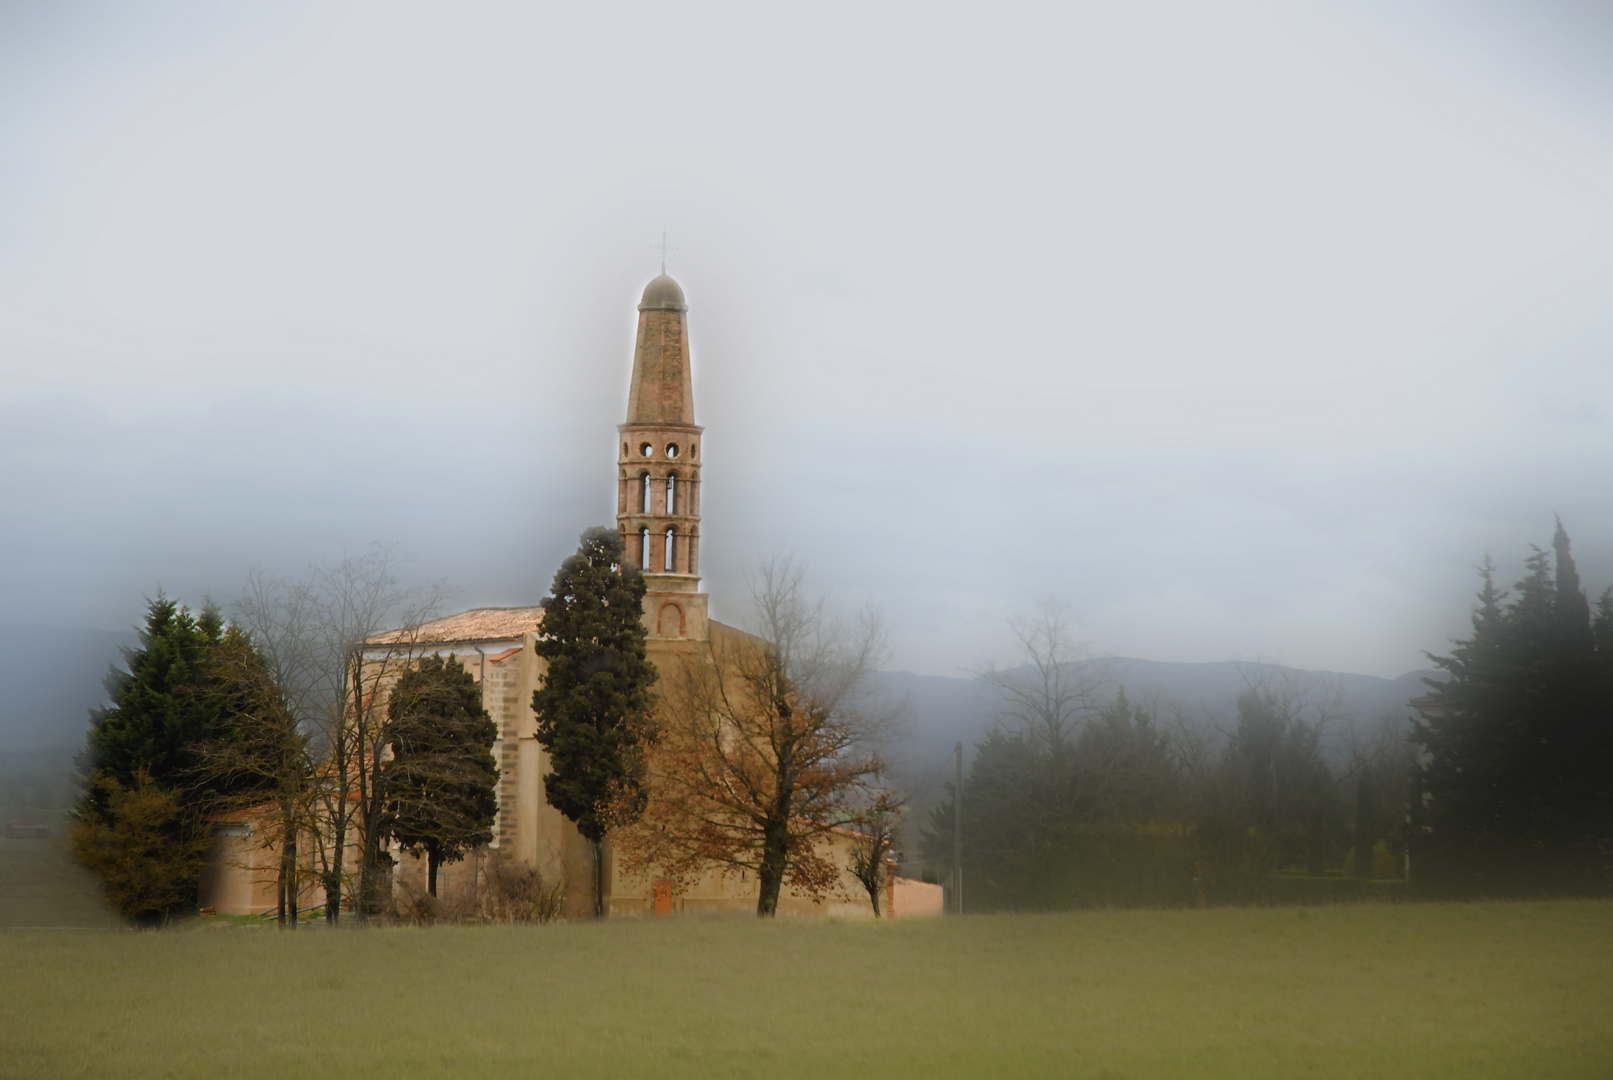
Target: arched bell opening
(671,622)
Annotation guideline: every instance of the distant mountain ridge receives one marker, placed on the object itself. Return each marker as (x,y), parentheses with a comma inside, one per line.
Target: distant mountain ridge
(50,677)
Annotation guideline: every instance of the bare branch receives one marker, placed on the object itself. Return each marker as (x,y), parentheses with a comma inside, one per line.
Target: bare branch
(1056,685)
(768,745)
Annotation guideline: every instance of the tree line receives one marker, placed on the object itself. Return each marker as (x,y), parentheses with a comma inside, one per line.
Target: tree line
(317,709)
(1081,796)
(316,706)
(1513,793)
(739,761)
(294,712)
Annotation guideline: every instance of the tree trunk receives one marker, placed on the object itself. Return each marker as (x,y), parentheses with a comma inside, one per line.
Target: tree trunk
(338,835)
(431,874)
(1318,850)
(367,852)
(872,872)
(372,877)
(1363,825)
(333,871)
(775,859)
(372,803)
(598,847)
(290,872)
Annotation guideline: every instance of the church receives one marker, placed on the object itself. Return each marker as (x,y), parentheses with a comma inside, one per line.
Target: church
(658,514)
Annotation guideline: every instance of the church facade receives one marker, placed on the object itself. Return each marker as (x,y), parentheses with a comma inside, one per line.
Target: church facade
(660,452)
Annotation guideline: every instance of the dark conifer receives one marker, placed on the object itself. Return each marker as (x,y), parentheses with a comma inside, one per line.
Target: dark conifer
(160,711)
(258,756)
(1515,777)
(1047,827)
(441,784)
(140,821)
(593,706)
(1573,610)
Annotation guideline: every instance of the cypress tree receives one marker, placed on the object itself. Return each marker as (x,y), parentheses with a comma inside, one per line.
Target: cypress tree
(594,702)
(441,783)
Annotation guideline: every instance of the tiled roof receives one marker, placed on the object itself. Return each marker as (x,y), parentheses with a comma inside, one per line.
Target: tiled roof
(242,813)
(478,624)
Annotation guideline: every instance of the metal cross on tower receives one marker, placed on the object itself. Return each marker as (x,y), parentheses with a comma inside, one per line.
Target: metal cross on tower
(663,247)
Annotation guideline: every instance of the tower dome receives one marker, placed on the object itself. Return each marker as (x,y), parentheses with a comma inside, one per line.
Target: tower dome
(663,294)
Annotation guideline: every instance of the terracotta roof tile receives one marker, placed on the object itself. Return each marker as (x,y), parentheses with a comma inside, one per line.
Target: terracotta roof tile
(477,624)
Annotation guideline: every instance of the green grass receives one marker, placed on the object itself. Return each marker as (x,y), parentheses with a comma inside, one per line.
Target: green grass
(1480,990)
(40,885)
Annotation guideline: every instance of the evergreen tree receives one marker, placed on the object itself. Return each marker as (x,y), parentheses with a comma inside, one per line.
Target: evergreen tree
(144,844)
(441,783)
(593,706)
(260,756)
(1052,823)
(1016,821)
(1124,765)
(1515,782)
(160,709)
(139,822)
(1272,802)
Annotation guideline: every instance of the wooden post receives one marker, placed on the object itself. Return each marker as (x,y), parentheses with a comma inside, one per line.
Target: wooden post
(957,836)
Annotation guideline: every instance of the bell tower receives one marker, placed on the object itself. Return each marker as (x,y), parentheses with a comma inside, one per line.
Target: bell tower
(658,471)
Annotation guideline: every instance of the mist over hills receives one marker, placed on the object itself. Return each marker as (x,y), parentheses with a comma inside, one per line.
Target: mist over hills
(945,710)
(50,677)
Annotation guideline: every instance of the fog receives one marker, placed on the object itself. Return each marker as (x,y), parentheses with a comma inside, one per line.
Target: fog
(1245,330)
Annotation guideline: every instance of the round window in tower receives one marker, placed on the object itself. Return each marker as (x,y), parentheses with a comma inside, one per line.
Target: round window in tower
(646,450)
(671,449)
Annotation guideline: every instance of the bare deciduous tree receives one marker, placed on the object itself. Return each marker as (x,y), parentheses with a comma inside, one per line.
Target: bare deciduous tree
(334,641)
(766,747)
(1054,687)
(263,758)
(871,855)
(1046,698)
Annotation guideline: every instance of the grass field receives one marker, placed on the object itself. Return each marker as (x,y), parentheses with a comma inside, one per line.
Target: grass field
(40,885)
(1481,990)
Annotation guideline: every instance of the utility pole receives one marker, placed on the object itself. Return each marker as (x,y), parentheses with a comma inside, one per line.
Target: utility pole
(957,837)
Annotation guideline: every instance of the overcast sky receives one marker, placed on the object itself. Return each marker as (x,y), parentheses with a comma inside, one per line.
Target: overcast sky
(1246,329)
